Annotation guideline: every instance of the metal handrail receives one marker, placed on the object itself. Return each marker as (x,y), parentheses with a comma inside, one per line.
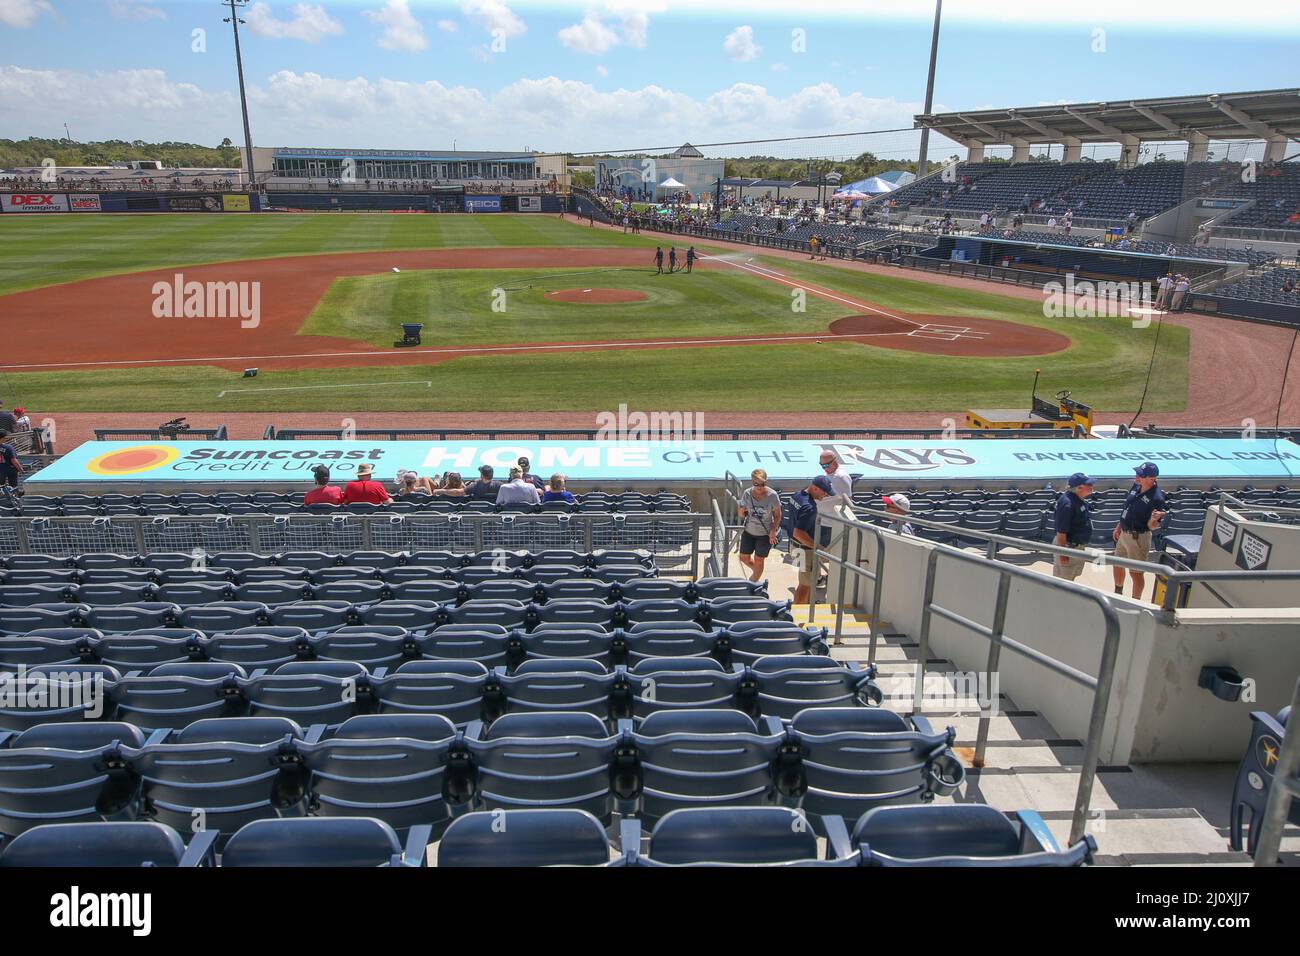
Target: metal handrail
(1226,499)
(717,564)
(1100,686)
(1286,787)
(1178,581)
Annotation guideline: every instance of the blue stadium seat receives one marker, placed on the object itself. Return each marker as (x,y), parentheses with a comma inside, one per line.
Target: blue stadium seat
(589,641)
(66,773)
(691,758)
(388,766)
(517,838)
(371,646)
(317,697)
(857,758)
(741,836)
(487,643)
(541,760)
(323,841)
(145,650)
(681,683)
(962,835)
(746,641)
(569,691)
(674,639)
(258,647)
(783,686)
(1255,779)
(450,689)
(176,695)
(222,773)
(97,845)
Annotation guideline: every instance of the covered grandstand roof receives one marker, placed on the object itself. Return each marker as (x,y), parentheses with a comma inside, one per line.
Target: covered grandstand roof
(1263,114)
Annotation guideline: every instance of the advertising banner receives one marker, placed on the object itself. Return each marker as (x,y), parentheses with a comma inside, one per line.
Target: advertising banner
(482,203)
(193,204)
(34,202)
(84,202)
(530,203)
(231,202)
(1045,460)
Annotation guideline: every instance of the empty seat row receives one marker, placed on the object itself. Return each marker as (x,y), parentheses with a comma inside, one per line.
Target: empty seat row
(497,558)
(414,770)
(329,692)
(382,645)
(318,616)
(191,499)
(281,585)
(956,835)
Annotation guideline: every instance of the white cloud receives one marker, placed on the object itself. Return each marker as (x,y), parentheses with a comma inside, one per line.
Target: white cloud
(740,46)
(595,34)
(309,23)
(602,70)
(493,15)
(308,109)
(448,26)
(23,13)
(401,30)
(138,10)
(780,68)
(589,36)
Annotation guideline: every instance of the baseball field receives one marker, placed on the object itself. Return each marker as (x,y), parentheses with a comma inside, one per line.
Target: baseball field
(520,313)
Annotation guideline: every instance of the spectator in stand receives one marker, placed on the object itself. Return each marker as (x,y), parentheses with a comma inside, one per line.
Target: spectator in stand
(453,486)
(1288,285)
(760,507)
(557,491)
(486,488)
(24,424)
(364,489)
(1165,288)
(409,483)
(532,479)
(517,491)
(900,505)
(7,421)
(805,505)
(11,468)
(1182,285)
(324,493)
(1130,223)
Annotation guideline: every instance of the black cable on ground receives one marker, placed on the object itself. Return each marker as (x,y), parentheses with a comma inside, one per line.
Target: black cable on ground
(1150,368)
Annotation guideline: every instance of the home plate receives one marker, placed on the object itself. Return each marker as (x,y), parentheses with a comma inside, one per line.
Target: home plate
(1142,310)
(586,290)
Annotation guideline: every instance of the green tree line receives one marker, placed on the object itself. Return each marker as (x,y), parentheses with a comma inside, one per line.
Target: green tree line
(33,150)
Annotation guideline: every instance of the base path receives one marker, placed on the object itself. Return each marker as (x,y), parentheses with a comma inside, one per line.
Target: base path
(114,322)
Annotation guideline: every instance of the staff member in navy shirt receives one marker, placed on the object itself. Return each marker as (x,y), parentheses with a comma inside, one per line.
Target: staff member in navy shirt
(1144,508)
(1073,524)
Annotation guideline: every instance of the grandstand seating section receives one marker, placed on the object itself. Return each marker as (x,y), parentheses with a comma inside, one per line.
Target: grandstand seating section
(1110,194)
(351,709)
(1264,287)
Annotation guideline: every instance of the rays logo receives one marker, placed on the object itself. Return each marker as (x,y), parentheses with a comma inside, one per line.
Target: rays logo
(906,460)
(133,460)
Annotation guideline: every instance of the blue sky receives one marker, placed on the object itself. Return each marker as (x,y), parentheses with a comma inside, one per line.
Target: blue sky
(603,74)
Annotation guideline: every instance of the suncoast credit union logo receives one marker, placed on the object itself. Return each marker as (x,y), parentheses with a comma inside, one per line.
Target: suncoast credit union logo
(133,460)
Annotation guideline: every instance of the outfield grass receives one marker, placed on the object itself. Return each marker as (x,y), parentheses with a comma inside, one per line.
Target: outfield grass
(1106,366)
(38,251)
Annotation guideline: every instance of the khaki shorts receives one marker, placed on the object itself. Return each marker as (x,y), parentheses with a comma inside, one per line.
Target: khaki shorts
(807,568)
(1134,546)
(1070,570)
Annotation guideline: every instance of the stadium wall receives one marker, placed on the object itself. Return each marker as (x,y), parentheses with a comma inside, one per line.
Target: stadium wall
(29,203)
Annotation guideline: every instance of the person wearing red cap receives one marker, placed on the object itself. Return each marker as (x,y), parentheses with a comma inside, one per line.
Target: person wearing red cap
(21,422)
(902,506)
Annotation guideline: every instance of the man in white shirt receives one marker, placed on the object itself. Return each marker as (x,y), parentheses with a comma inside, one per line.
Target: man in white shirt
(518,491)
(1165,286)
(841,482)
(1181,286)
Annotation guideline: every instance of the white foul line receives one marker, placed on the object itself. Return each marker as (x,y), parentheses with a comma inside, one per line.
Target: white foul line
(822,293)
(293,388)
(399,354)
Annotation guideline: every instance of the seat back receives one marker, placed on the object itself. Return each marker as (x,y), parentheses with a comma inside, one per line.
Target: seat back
(314,841)
(751,836)
(540,837)
(94,845)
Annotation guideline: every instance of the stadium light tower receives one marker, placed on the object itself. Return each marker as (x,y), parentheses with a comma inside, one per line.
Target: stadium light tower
(929,89)
(234,21)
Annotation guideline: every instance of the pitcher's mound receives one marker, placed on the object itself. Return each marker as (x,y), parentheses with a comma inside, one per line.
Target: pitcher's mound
(596,295)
